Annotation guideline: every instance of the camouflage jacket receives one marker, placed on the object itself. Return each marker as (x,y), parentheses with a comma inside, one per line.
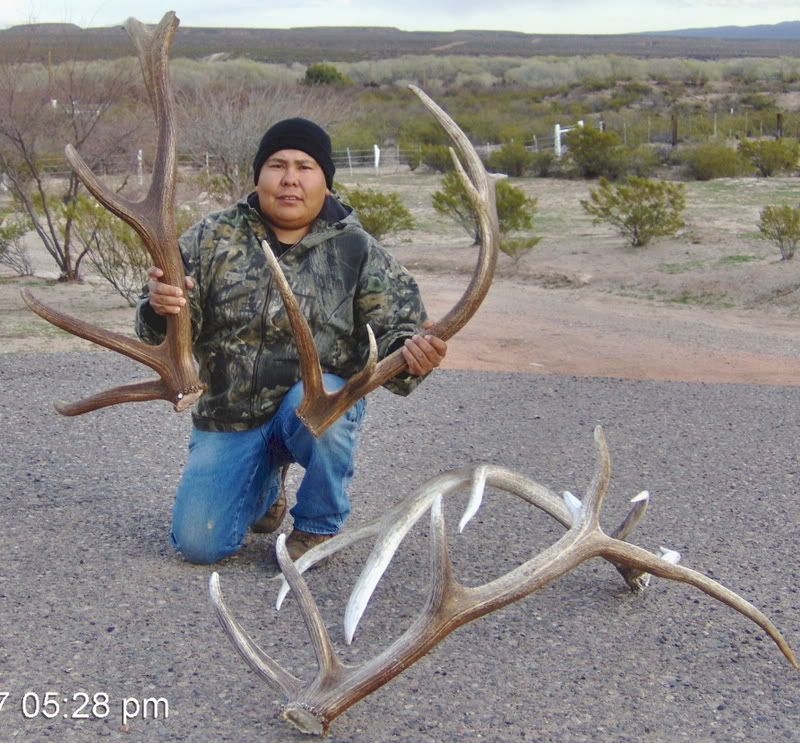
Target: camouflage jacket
(342,278)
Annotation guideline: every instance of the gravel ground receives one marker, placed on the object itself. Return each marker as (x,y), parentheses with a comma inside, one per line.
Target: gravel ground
(93,601)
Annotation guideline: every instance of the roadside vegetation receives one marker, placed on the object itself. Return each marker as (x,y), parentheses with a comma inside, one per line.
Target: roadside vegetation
(640,126)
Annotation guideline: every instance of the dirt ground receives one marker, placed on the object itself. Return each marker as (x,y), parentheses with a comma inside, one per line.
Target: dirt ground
(712,304)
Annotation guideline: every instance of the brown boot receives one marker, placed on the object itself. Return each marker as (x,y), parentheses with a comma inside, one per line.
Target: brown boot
(300,542)
(273,518)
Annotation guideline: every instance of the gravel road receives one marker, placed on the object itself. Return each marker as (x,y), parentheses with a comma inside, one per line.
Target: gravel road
(94,602)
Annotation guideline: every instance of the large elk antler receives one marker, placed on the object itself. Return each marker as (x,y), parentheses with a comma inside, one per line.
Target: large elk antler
(319,408)
(313,705)
(153,218)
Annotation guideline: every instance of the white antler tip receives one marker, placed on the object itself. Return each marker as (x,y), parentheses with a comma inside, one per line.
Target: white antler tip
(349,630)
(644,495)
(475,496)
(669,555)
(574,505)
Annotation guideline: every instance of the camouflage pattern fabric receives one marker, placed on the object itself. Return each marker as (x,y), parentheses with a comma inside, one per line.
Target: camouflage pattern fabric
(343,280)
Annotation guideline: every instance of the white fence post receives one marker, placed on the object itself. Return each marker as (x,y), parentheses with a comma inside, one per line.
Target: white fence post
(377,151)
(558,131)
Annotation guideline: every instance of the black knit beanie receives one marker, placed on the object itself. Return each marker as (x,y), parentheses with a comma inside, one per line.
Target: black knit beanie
(297,134)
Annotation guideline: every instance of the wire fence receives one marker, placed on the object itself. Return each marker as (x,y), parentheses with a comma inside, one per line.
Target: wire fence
(658,128)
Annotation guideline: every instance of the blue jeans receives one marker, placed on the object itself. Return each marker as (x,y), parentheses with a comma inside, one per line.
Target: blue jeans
(232,478)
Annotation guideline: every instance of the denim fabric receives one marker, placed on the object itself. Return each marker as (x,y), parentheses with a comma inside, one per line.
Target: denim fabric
(231,478)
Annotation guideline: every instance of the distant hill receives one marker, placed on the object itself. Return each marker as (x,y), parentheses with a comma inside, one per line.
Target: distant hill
(60,42)
(780,31)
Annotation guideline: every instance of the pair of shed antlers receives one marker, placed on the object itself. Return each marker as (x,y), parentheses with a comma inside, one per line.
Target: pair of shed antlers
(313,705)
(153,220)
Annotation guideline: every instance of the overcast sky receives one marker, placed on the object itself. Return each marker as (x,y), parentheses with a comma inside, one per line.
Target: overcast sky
(529,16)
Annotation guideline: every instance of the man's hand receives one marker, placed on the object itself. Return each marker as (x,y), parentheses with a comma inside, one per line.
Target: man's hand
(165,299)
(424,353)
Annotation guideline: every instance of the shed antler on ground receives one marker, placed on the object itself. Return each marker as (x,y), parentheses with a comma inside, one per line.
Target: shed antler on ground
(153,219)
(312,705)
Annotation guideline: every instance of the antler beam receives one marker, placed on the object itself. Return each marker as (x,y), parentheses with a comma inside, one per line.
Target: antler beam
(320,408)
(312,706)
(153,219)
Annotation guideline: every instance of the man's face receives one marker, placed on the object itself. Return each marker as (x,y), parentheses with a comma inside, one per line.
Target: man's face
(291,190)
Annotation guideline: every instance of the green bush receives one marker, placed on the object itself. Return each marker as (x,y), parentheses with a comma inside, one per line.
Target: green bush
(324,73)
(437,157)
(512,159)
(712,160)
(115,251)
(770,156)
(13,252)
(640,208)
(595,152)
(542,163)
(781,225)
(515,213)
(641,160)
(758,101)
(380,213)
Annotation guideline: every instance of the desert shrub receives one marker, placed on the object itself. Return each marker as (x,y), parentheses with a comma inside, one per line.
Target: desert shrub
(380,213)
(114,250)
(512,159)
(437,157)
(595,152)
(781,225)
(640,208)
(628,94)
(13,253)
(712,160)
(641,160)
(324,73)
(515,213)
(758,101)
(770,156)
(542,163)
(214,184)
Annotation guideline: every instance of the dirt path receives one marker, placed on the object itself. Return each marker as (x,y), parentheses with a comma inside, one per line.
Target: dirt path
(529,329)
(520,327)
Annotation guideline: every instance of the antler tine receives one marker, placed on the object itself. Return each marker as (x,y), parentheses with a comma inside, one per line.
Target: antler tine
(598,487)
(637,580)
(153,217)
(320,639)
(320,408)
(630,522)
(154,221)
(472,162)
(331,547)
(443,585)
(274,674)
(310,369)
(630,554)
(393,527)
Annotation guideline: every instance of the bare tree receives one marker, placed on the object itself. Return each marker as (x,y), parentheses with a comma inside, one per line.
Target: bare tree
(39,114)
(225,124)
